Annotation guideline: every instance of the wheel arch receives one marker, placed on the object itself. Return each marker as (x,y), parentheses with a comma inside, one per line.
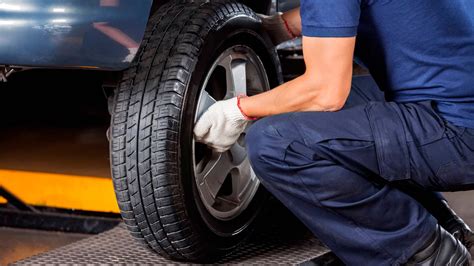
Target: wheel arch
(261,6)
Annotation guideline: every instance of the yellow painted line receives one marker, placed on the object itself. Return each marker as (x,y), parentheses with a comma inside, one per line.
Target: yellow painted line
(2,200)
(61,191)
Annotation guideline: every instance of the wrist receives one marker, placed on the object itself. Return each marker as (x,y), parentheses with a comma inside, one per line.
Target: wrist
(277,28)
(240,100)
(288,28)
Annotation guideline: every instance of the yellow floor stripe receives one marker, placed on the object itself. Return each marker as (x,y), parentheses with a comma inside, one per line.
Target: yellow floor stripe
(61,191)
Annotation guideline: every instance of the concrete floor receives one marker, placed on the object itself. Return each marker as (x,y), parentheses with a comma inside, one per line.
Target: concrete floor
(16,244)
(462,203)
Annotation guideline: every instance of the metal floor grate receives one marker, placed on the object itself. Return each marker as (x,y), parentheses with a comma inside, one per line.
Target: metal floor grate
(117,247)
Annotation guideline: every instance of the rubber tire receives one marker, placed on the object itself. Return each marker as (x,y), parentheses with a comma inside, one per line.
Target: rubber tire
(152,122)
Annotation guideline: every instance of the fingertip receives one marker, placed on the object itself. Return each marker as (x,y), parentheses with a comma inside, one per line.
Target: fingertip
(201,128)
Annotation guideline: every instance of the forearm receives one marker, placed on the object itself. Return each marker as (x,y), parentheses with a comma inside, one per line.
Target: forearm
(299,95)
(325,85)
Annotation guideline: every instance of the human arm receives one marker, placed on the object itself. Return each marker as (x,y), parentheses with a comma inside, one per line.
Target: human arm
(282,27)
(324,86)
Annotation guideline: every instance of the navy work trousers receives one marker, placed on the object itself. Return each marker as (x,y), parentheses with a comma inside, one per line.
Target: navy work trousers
(336,171)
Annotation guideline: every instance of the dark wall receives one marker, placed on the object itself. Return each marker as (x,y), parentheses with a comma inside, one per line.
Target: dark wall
(259,6)
(53,98)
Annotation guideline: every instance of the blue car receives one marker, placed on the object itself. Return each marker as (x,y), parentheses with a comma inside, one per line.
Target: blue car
(179,197)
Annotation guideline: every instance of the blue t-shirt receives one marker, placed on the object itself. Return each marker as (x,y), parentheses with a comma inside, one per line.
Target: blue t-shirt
(416,50)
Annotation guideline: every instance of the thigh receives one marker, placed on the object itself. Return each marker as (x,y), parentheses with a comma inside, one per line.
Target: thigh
(446,162)
(414,142)
(385,140)
(345,137)
(381,139)
(439,156)
(367,139)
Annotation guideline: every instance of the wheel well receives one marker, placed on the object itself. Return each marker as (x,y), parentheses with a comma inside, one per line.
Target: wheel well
(261,6)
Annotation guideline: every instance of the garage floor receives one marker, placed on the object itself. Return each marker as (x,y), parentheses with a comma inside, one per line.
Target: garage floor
(51,127)
(16,244)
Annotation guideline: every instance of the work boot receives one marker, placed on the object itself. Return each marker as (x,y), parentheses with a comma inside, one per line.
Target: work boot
(443,249)
(457,227)
(440,209)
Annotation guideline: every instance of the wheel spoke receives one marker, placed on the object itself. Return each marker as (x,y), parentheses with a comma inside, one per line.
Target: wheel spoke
(239,153)
(239,77)
(205,102)
(241,180)
(236,76)
(214,172)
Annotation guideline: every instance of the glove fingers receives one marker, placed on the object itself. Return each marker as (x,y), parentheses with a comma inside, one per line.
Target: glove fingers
(215,142)
(202,127)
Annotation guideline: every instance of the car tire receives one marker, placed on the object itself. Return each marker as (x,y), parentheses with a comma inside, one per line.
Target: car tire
(154,159)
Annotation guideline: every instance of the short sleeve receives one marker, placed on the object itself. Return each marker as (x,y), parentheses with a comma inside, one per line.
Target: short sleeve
(330,18)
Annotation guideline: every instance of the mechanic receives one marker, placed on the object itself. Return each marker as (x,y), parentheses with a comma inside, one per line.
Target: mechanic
(335,152)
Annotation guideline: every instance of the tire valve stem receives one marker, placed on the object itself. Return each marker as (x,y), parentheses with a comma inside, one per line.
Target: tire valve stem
(5,72)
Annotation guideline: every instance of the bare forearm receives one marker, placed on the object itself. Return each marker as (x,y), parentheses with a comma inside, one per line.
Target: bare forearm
(299,95)
(325,85)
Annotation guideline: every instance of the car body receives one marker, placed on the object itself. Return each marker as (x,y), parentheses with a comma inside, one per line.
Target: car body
(71,34)
(88,34)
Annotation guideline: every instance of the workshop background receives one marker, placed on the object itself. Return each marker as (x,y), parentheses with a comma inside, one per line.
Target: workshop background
(53,158)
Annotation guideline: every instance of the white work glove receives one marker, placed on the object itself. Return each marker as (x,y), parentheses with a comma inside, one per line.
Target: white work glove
(221,125)
(276,27)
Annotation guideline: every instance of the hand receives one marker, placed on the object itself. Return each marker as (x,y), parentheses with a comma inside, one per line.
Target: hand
(221,125)
(277,28)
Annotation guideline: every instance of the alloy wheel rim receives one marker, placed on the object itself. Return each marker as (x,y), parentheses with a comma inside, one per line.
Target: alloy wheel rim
(226,181)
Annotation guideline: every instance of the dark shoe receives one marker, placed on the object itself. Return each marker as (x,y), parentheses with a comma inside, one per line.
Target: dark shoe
(443,249)
(440,209)
(458,228)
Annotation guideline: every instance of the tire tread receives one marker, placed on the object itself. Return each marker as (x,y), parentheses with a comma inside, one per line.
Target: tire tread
(145,126)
